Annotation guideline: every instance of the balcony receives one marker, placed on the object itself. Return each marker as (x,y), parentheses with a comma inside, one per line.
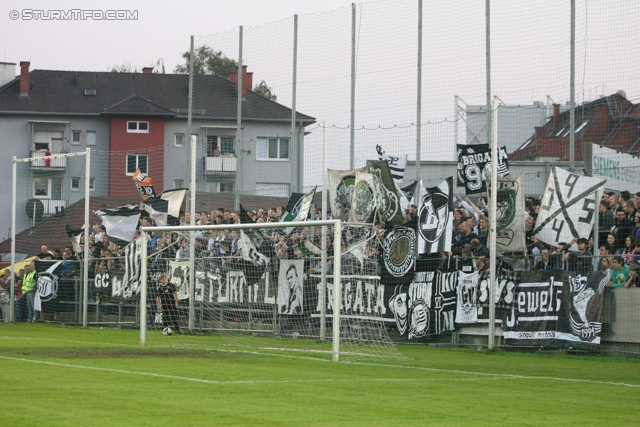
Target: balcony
(222,164)
(59,163)
(51,205)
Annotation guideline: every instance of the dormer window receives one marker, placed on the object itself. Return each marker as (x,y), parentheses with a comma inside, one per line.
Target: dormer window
(138,127)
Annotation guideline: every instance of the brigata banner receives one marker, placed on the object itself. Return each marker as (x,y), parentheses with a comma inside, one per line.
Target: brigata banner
(556,305)
(474,162)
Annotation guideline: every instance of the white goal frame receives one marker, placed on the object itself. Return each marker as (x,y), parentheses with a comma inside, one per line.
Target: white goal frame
(337,279)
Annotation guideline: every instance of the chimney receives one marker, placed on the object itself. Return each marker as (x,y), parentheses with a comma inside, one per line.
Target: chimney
(247,80)
(147,70)
(539,131)
(556,114)
(24,78)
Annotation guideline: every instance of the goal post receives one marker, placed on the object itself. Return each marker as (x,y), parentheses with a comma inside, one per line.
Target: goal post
(275,301)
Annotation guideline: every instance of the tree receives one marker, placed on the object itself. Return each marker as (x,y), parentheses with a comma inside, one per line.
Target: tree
(264,90)
(209,61)
(126,67)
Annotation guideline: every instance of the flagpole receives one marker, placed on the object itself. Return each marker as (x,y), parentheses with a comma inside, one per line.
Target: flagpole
(192,194)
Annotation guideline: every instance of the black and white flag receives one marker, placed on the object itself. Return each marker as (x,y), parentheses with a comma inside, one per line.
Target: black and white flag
(341,185)
(568,207)
(511,235)
(290,287)
(130,285)
(389,208)
(363,202)
(120,223)
(397,164)
(435,217)
(165,209)
(47,274)
(76,236)
(474,164)
(467,309)
(179,276)
(299,206)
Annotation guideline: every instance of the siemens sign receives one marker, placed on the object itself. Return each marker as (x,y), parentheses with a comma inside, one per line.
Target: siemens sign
(606,167)
(621,170)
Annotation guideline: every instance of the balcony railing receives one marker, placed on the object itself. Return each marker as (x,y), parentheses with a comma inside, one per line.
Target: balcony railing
(51,205)
(220,164)
(48,163)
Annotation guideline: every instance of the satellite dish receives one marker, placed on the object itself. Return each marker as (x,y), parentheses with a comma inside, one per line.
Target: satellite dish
(35,206)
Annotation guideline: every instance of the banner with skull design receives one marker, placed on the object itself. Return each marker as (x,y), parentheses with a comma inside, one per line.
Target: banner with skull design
(556,305)
(341,184)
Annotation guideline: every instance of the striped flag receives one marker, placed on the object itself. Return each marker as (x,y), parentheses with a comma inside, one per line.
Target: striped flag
(397,164)
(435,217)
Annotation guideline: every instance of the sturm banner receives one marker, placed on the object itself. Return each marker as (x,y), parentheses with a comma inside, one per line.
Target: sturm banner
(425,307)
(474,163)
(363,202)
(399,255)
(568,207)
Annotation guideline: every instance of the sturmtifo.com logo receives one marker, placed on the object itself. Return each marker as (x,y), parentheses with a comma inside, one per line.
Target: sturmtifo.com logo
(73,15)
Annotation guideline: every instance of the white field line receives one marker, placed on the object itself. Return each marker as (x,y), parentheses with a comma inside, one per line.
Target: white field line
(417,368)
(205,381)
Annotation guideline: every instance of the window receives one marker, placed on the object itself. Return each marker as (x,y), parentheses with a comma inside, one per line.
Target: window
(179,140)
(135,161)
(75,137)
(75,184)
(178,183)
(91,137)
(92,184)
(138,127)
(219,145)
(226,187)
(272,149)
(47,188)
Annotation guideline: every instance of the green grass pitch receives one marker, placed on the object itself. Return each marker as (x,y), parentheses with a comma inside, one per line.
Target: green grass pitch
(53,375)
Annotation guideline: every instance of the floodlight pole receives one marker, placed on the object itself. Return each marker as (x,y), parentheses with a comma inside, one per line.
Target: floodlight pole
(192,193)
(419,95)
(352,118)
(323,258)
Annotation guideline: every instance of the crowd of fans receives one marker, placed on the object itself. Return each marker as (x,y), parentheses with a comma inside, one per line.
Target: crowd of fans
(220,250)
(618,240)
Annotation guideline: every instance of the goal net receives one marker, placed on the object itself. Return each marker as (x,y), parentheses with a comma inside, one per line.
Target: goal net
(269,286)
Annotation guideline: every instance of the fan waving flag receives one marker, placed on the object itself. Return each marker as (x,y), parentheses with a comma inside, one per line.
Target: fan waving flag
(389,209)
(341,184)
(165,209)
(299,206)
(143,183)
(120,223)
(568,207)
(397,164)
(75,236)
(435,217)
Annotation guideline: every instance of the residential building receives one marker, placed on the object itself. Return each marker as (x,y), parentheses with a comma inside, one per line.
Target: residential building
(133,121)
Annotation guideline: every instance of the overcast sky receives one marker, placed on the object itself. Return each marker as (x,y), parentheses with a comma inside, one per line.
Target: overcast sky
(161,30)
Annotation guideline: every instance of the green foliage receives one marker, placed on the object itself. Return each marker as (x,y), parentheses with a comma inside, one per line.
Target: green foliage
(126,67)
(264,90)
(207,61)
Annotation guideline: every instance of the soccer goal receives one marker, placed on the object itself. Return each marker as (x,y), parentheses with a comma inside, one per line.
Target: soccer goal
(269,286)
